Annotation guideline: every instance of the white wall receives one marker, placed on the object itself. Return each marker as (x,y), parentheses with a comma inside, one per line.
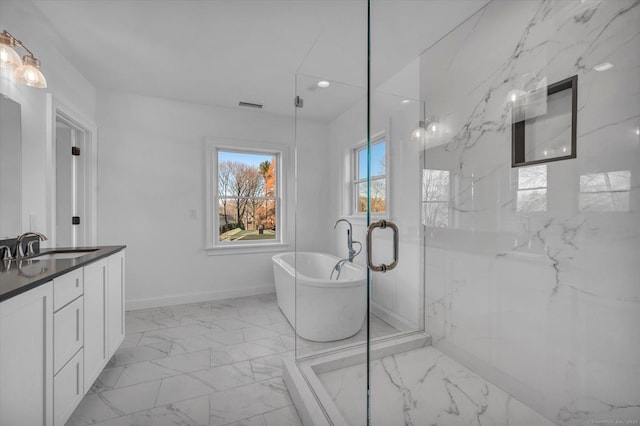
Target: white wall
(545,303)
(151,174)
(65,85)
(397,293)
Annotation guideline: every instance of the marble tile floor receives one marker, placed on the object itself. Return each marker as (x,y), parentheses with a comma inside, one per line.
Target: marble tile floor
(212,363)
(424,387)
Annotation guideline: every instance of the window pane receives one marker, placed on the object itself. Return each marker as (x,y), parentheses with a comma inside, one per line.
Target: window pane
(362,163)
(610,181)
(242,174)
(378,159)
(361,203)
(435,214)
(241,177)
(378,199)
(532,177)
(532,200)
(604,202)
(435,185)
(246,220)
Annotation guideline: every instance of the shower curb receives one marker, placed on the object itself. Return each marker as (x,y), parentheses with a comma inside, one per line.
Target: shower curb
(310,398)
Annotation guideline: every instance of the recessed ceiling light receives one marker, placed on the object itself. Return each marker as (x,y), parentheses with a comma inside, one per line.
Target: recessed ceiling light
(603,66)
(406,101)
(324,84)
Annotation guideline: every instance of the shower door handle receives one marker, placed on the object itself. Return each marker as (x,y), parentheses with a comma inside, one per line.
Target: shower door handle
(382,224)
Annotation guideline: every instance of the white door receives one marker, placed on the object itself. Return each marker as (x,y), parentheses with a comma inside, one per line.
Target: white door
(71,184)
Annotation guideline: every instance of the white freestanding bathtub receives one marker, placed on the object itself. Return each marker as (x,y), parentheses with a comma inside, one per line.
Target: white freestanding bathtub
(327,310)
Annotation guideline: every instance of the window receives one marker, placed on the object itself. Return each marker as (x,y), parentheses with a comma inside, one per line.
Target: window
(531,193)
(605,192)
(378,179)
(246,186)
(436,193)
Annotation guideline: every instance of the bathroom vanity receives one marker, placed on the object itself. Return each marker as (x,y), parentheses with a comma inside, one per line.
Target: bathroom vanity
(61,320)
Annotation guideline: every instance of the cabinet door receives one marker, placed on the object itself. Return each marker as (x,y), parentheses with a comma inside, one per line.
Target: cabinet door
(115,302)
(67,328)
(26,358)
(95,320)
(68,389)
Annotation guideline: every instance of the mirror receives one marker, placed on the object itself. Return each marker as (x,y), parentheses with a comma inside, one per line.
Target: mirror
(10,168)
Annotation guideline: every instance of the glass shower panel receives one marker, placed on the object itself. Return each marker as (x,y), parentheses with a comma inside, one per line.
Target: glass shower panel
(331,289)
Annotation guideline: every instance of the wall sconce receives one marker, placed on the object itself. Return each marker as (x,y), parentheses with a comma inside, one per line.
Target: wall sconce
(25,71)
(425,128)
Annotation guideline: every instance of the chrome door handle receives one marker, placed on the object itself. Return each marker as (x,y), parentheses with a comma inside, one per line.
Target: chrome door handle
(382,224)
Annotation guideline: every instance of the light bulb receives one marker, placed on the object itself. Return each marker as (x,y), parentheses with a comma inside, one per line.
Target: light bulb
(324,84)
(638,131)
(418,134)
(29,74)
(9,59)
(545,152)
(434,127)
(514,95)
(564,149)
(406,101)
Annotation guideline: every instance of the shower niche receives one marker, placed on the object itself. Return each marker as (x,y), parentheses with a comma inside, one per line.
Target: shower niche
(544,124)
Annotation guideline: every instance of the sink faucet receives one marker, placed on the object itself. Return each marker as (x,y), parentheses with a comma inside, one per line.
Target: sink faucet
(30,250)
(350,242)
(7,252)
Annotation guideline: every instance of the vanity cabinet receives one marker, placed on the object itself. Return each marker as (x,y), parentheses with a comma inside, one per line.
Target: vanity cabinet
(95,321)
(55,340)
(26,358)
(104,313)
(115,301)
(68,344)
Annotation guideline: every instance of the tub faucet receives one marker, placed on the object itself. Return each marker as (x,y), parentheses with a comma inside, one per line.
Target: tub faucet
(350,242)
(338,269)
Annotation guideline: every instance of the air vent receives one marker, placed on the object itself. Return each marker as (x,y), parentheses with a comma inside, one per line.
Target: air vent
(250,105)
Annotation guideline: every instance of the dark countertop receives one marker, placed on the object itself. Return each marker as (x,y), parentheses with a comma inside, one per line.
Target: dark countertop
(19,276)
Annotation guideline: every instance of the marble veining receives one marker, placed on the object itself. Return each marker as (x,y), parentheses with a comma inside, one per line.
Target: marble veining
(548,304)
(213,363)
(425,387)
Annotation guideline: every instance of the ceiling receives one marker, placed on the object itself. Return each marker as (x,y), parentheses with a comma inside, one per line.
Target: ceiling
(225,51)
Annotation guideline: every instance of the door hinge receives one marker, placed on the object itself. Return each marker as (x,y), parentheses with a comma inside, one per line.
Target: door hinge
(299,102)
(75,220)
(75,150)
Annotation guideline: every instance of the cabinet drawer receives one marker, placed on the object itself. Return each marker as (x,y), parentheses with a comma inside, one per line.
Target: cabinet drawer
(66,288)
(68,389)
(68,332)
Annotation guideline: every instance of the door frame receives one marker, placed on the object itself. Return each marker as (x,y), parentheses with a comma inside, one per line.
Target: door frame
(89,159)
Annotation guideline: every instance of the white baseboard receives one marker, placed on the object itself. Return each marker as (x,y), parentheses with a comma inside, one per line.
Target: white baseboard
(391,318)
(181,299)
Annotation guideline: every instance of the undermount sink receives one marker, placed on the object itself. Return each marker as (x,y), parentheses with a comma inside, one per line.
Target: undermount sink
(64,254)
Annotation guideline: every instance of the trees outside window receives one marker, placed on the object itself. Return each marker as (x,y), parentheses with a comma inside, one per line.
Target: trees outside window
(378,178)
(247,196)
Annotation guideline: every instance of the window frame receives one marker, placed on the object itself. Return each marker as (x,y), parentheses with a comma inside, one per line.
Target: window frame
(281,153)
(354,181)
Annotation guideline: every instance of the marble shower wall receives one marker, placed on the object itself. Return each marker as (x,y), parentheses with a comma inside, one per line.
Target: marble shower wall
(533,273)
